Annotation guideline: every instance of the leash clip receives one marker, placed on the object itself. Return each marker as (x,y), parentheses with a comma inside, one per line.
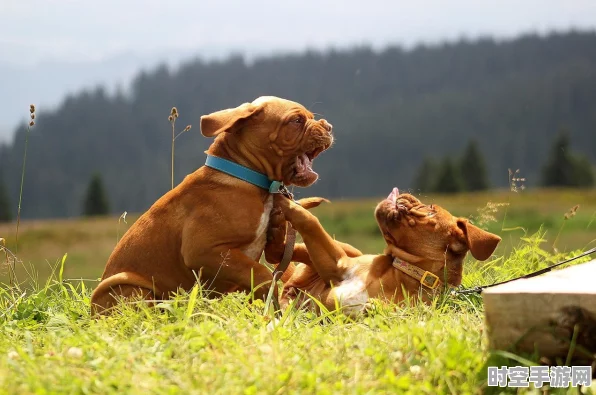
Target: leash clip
(279,187)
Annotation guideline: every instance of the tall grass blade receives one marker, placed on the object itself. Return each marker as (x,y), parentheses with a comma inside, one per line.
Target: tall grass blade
(192,301)
(22,182)
(61,272)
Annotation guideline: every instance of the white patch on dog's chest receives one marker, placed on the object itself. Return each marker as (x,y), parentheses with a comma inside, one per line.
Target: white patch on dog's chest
(255,249)
(351,293)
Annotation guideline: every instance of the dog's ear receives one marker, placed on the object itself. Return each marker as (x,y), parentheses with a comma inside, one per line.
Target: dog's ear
(227,120)
(481,243)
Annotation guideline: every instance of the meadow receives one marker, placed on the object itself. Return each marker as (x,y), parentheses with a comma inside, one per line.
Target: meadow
(193,344)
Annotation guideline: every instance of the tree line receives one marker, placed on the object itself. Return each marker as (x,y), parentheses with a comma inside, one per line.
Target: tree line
(562,168)
(391,109)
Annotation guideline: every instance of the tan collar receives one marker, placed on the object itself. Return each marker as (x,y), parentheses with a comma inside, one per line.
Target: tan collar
(425,278)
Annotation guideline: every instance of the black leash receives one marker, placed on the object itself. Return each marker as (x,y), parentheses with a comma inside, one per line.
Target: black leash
(480,288)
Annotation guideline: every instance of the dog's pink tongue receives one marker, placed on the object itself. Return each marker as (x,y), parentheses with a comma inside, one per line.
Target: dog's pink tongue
(393,195)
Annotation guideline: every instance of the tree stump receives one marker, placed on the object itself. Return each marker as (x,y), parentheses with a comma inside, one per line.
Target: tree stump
(545,314)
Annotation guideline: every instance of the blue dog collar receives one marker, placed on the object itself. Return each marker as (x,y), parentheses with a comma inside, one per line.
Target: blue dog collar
(243,173)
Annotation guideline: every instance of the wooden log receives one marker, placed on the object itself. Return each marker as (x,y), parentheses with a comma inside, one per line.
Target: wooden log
(540,313)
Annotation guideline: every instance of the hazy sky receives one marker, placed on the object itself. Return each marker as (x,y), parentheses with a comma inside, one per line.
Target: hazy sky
(51,47)
(32,30)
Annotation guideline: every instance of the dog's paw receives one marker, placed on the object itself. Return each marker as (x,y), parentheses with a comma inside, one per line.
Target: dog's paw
(287,207)
(312,202)
(281,202)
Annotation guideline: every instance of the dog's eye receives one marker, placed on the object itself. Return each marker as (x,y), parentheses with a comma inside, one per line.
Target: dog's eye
(298,120)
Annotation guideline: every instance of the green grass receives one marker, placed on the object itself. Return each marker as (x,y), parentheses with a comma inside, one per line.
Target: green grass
(89,242)
(192,344)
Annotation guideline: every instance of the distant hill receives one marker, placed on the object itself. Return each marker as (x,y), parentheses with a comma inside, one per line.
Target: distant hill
(45,83)
(389,110)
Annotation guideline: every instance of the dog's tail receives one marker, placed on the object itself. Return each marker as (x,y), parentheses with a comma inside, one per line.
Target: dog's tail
(311,202)
(120,284)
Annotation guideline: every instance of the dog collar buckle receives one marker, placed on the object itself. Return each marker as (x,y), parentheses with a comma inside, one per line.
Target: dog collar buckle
(276,187)
(430,280)
(426,278)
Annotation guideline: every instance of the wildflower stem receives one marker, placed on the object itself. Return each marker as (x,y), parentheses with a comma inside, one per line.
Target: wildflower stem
(506,210)
(557,238)
(178,135)
(21,191)
(173,139)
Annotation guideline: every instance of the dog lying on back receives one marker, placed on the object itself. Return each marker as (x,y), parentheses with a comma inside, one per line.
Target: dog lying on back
(425,251)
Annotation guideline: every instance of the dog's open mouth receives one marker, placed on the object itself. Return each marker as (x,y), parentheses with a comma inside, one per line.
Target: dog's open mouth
(304,173)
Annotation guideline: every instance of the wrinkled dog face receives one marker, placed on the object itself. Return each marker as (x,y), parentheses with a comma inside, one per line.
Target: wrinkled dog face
(430,231)
(283,135)
(296,138)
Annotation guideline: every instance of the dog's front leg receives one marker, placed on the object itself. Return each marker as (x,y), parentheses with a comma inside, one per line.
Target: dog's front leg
(325,254)
(277,231)
(302,255)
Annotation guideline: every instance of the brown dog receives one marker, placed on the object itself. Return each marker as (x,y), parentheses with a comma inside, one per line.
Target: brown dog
(213,226)
(426,247)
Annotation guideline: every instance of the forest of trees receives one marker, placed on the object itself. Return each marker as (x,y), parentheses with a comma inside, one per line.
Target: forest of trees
(392,110)
(563,168)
